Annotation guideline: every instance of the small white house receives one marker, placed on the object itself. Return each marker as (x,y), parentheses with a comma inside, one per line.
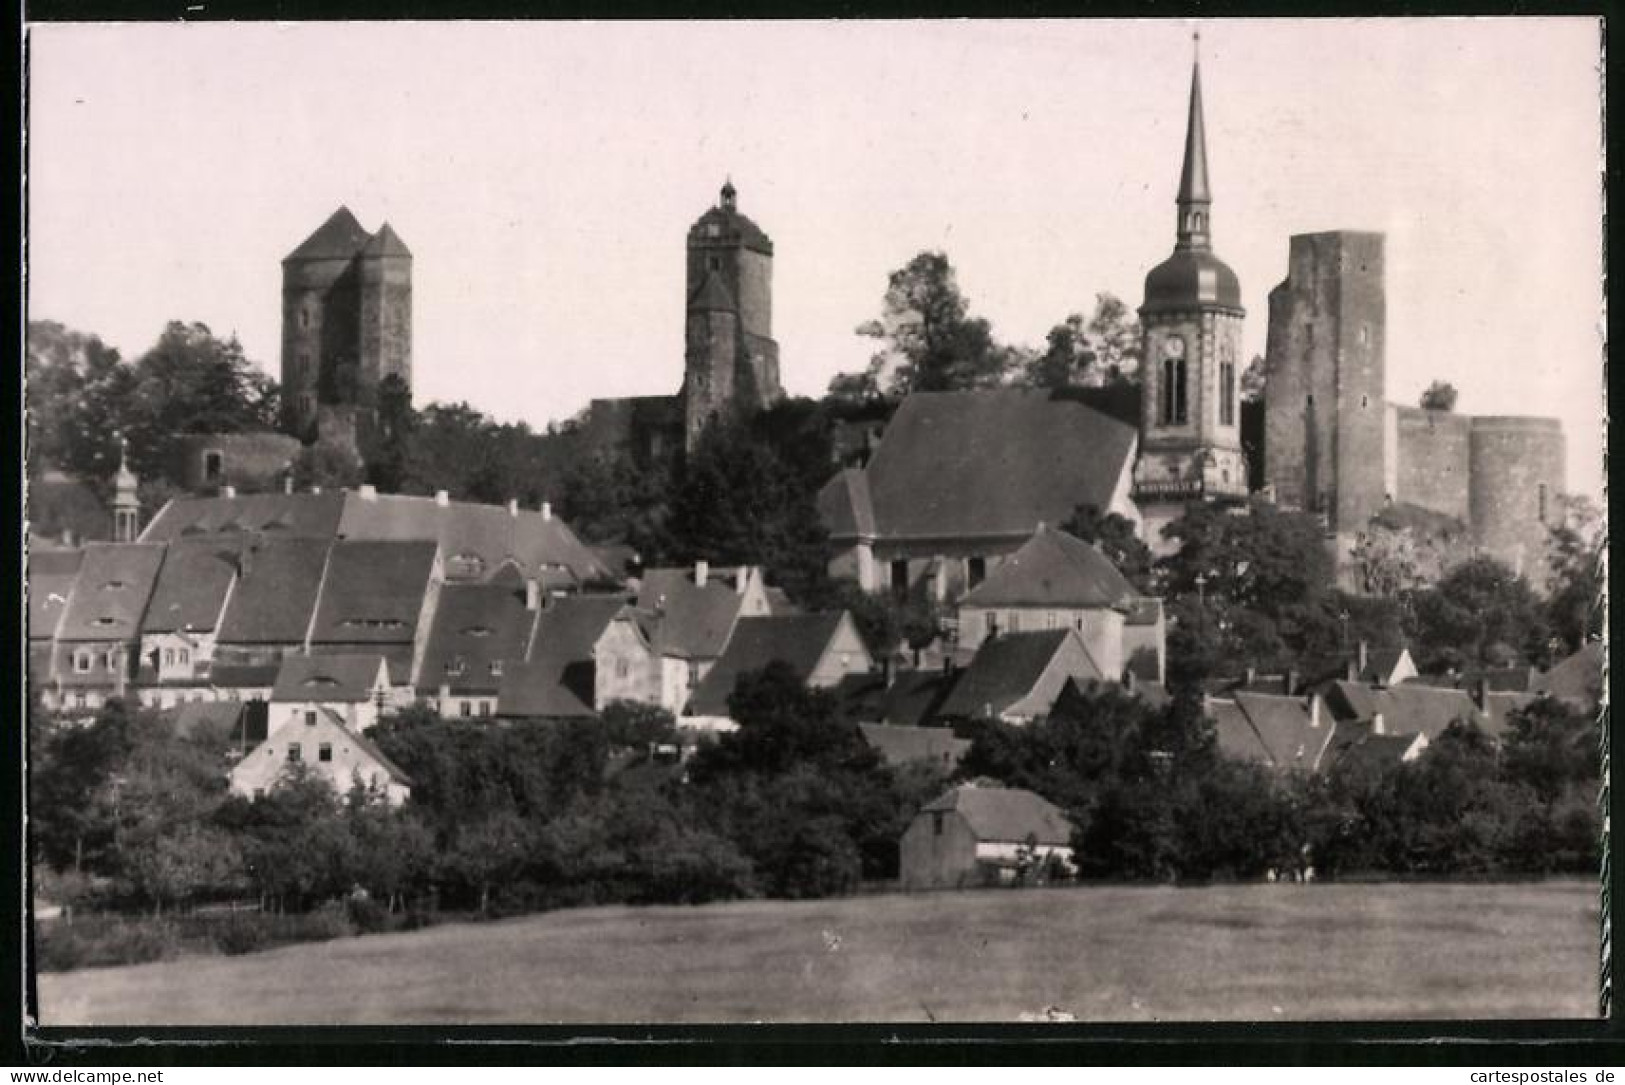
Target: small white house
(321,741)
(354,688)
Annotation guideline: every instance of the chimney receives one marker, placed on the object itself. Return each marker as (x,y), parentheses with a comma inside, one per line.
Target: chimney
(228,491)
(702,573)
(1252,673)
(1314,710)
(445,698)
(741,579)
(513,508)
(315,489)
(1363,656)
(1481,691)
(533,593)
(547,510)
(442,498)
(1378,726)
(369,492)
(888,670)
(1291,683)
(287,483)
(67,536)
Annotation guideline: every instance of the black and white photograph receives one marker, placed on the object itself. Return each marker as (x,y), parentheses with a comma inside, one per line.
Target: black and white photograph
(1038,521)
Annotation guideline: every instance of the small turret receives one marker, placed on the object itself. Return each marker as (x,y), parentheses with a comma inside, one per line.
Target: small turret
(126,502)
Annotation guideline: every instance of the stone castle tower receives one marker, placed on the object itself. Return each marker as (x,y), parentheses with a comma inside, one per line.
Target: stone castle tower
(730,359)
(346,325)
(1325,413)
(1190,418)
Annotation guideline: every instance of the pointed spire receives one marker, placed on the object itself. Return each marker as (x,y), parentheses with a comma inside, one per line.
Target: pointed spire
(730,195)
(1194,197)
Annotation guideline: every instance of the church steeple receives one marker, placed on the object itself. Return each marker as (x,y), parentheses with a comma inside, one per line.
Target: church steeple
(1194,197)
(126,501)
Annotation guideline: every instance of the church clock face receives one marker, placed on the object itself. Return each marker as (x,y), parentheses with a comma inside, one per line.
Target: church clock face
(1173,347)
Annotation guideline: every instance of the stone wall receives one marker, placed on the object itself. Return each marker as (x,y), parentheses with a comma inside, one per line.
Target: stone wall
(250,462)
(1517,471)
(1432,468)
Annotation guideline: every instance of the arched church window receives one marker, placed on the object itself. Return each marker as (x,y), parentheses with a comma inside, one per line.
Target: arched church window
(1173,392)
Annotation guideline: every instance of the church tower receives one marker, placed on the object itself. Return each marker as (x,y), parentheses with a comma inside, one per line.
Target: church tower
(730,359)
(1190,416)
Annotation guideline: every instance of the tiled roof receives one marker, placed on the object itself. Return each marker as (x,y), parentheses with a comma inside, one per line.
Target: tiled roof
(272,514)
(110,594)
(557,679)
(1006,669)
(695,622)
(490,532)
(189,718)
(340,237)
(1406,708)
(731,224)
(243,675)
(386,242)
(192,585)
(1284,726)
(475,625)
(1143,610)
(900,745)
(1577,679)
(1005,815)
(328,678)
(797,640)
(1356,747)
(992,463)
(48,594)
(1496,717)
(1053,569)
(845,505)
(273,601)
(373,592)
(1234,735)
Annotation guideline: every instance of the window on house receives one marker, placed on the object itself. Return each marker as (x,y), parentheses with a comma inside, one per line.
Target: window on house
(310,718)
(324,752)
(183,656)
(1013,620)
(975,571)
(259,793)
(714,263)
(463,709)
(169,657)
(1078,621)
(485,708)
(693,675)
(79,700)
(82,662)
(113,661)
(295,752)
(1365,401)
(1052,620)
(622,668)
(213,466)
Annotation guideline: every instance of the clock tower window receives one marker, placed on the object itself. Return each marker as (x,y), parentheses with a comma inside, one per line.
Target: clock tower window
(1173,391)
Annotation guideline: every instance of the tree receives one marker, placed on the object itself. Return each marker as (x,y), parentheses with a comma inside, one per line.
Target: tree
(931,343)
(1115,334)
(1439,396)
(1253,380)
(1475,615)
(742,501)
(1575,553)
(328,465)
(1387,560)
(1101,350)
(608,497)
(1118,539)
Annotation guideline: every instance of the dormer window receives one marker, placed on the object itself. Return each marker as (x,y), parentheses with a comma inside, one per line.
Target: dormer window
(320,681)
(477,631)
(496,668)
(114,585)
(104,622)
(454,666)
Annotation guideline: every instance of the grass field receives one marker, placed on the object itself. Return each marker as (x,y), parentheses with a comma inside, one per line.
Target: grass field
(1240,952)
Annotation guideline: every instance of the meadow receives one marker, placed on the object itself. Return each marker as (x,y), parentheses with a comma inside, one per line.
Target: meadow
(1100,953)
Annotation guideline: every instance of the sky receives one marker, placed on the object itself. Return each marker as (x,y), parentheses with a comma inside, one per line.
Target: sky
(544,176)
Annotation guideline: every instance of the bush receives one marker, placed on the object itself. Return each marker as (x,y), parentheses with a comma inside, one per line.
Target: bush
(102,942)
(251,932)
(368,916)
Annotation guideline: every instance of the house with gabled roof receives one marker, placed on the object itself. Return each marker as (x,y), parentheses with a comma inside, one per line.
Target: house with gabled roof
(979,835)
(1576,680)
(1366,745)
(269,611)
(628,666)
(1017,677)
(99,633)
(51,576)
(1056,580)
(695,610)
(477,632)
(820,649)
(962,479)
(556,678)
(902,745)
(1409,708)
(182,623)
(355,688)
(378,597)
(320,741)
(1286,733)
